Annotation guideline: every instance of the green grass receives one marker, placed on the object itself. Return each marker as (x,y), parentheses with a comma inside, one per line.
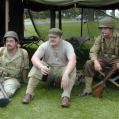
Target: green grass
(69,30)
(46,104)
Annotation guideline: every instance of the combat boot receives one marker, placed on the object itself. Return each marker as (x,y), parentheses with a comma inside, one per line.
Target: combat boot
(27,99)
(88,87)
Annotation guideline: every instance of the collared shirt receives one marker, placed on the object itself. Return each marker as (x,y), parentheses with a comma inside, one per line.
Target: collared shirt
(105,47)
(13,64)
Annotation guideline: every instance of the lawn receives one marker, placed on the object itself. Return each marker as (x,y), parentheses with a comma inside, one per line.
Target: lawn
(46,102)
(69,29)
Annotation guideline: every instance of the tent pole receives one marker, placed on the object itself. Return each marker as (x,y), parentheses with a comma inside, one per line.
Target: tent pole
(6,15)
(60,19)
(81,22)
(52,18)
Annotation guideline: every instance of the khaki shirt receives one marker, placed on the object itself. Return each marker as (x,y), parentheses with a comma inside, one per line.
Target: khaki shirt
(108,48)
(13,65)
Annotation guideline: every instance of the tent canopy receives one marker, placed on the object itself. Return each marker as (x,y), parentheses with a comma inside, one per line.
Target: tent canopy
(46,4)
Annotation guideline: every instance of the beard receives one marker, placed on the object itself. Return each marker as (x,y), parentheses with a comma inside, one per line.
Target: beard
(9,47)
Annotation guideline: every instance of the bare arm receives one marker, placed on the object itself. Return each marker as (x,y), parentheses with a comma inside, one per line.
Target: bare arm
(69,68)
(71,65)
(38,63)
(25,75)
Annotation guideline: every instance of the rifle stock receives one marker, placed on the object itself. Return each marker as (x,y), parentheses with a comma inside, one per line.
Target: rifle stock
(101,87)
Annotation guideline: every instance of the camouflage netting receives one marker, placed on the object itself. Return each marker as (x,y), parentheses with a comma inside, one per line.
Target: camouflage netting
(87,29)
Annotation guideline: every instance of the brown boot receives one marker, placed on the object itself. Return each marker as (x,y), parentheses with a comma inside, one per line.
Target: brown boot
(65,101)
(27,99)
(82,94)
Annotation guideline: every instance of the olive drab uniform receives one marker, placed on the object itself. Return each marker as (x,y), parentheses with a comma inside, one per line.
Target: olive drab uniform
(107,48)
(11,67)
(106,51)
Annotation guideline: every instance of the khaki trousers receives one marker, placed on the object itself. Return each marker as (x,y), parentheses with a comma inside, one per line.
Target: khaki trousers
(55,74)
(89,70)
(10,85)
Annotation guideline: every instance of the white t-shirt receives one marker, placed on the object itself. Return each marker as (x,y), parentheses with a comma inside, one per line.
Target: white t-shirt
(55,56)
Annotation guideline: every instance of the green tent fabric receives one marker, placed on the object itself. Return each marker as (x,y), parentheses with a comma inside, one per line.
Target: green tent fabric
(87,3)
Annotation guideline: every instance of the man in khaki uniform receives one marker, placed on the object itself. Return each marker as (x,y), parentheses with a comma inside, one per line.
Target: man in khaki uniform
(14,63)
(104,52)
(60,57)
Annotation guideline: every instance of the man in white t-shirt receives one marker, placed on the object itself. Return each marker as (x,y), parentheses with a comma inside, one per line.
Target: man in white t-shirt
(55,58)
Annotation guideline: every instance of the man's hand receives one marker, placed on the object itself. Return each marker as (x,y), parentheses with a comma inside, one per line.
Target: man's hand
(44,70)
(97,66)
(65,81)
(117,65)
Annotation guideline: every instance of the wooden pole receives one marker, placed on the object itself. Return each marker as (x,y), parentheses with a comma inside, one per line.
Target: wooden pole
(60,19)
(6,15)
(52,18)
(82,23)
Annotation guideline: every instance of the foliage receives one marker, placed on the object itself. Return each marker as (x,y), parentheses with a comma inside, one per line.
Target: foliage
(71,13)
(82,53)
(70,30)
(36,15)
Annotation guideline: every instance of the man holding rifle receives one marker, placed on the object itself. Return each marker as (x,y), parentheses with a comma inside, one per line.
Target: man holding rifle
(104,52)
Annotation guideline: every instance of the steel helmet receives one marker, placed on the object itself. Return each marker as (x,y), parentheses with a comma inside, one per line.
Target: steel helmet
(11,34)
(106,22)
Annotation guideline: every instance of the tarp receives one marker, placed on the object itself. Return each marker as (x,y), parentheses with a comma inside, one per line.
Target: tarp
(85,3)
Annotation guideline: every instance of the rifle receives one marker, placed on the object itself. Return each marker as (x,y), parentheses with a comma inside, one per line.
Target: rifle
(4,101)
(101,87)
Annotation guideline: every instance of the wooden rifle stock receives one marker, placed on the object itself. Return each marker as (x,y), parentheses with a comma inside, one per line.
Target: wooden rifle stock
(101,87)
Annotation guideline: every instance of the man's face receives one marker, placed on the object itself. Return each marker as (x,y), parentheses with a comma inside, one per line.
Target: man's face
(107,32)
(54,40)
(10,43)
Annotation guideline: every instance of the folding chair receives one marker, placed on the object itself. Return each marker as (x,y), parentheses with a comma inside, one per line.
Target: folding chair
(114,79)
